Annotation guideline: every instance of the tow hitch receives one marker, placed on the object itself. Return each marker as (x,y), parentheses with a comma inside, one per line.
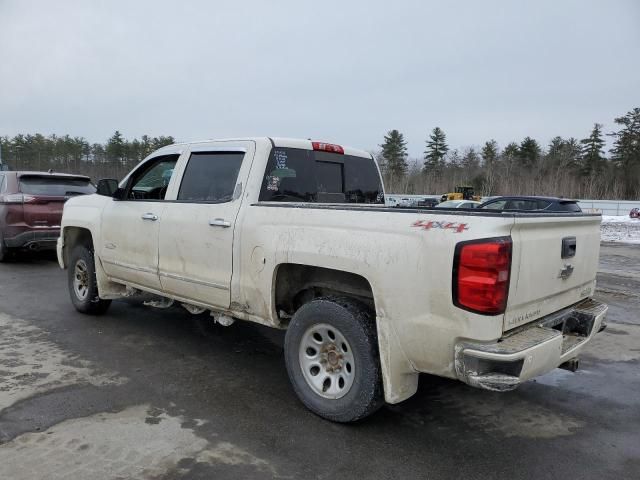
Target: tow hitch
(571,365)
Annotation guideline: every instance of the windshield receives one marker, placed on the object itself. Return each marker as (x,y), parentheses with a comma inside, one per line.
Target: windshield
(55,186)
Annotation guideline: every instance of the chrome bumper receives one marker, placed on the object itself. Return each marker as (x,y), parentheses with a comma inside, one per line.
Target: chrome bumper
(531,350)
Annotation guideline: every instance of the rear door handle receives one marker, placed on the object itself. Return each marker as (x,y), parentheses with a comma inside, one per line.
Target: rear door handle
(150,216)
(219,222)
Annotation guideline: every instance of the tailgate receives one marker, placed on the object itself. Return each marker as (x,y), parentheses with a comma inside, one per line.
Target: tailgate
(542,281)
(42,211)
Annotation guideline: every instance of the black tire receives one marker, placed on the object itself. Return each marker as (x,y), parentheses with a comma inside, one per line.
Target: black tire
(90,303)
(356,324)
(4,250)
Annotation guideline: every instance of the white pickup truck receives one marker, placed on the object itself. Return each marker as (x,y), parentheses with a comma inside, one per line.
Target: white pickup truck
(294,234)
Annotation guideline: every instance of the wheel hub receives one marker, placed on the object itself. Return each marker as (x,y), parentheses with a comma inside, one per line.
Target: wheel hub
(81,279)
(331,358)
(326,361)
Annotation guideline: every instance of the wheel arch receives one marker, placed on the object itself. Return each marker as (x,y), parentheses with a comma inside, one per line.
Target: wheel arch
(72,236)
(296,284)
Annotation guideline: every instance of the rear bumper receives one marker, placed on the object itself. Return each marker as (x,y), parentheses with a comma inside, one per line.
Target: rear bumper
(530,351)
(34,239)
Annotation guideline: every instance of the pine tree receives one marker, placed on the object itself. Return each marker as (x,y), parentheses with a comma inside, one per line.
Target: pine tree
(626,151)
(529,153)
(436,150)
(511,150)
(562,155)
(115,149)
(592,153)
(489,153)
(470,159)
(394,153)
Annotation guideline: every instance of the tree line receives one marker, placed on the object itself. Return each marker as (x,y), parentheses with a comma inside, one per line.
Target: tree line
(67,154)
(566,167)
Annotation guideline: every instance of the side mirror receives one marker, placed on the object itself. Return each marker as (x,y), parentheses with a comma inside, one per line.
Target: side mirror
(107,187)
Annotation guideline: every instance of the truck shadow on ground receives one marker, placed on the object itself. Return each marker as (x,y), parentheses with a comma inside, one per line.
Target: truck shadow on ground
(255,353)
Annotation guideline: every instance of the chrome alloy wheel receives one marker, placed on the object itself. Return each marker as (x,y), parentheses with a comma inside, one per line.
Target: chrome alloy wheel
(326,361)
(81,280)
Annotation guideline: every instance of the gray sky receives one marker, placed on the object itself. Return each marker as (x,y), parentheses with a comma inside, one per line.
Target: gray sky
(345,72)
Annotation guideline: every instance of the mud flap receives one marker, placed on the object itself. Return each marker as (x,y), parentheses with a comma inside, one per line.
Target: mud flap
(399,378)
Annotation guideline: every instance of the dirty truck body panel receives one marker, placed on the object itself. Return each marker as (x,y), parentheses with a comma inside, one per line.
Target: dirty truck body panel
(227,255)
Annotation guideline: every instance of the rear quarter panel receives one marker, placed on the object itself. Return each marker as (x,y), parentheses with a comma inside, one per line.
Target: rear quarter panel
(407,261)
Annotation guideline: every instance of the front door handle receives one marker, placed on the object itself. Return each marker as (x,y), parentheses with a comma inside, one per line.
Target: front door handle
(219,222)
(150,216)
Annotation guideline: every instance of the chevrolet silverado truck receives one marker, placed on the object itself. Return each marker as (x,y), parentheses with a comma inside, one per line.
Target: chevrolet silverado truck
(294,234)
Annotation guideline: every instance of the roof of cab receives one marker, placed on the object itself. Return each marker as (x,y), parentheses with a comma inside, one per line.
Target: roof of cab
(282,142)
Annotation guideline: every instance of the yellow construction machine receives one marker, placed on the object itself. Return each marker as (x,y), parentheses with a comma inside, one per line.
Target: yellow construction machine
(464,192)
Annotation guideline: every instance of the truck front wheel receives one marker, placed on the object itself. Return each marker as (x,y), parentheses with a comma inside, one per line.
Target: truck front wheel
(331,352)
(83,287)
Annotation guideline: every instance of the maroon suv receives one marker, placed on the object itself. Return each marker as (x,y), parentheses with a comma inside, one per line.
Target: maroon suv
(31,207)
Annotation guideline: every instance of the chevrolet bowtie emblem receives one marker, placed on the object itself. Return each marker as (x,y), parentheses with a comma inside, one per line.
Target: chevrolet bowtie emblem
(566,272)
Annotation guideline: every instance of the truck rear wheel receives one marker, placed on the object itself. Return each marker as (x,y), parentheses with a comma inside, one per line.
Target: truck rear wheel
(331,352)
(83,287)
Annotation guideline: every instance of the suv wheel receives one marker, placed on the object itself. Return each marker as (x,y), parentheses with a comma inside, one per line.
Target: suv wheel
(83,287)
(331,352)
(4,251)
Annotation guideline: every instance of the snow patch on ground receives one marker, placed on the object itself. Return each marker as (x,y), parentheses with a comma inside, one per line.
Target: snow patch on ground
(620,219)
(620,228)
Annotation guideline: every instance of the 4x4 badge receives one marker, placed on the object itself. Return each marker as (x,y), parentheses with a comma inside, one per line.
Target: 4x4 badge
(428,225)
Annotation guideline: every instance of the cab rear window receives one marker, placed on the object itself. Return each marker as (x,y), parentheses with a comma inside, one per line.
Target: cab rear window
(300,175)
(55,186)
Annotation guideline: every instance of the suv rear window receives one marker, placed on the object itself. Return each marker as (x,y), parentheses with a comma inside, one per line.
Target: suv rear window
(300,175)
(55,186)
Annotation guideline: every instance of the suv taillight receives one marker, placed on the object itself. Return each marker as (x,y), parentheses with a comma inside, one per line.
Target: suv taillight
(19,198)
(14,198)
(481,270)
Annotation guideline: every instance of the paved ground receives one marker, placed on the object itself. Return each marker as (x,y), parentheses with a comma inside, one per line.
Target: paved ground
(143,393)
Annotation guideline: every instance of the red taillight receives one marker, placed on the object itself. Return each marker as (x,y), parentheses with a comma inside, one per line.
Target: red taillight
(481,275)
(328,147)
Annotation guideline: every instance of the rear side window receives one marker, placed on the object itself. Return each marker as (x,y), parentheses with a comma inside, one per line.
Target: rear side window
(55,186)
(300,175)
(527,205)
(210,177)
(499,205)
(568,207)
